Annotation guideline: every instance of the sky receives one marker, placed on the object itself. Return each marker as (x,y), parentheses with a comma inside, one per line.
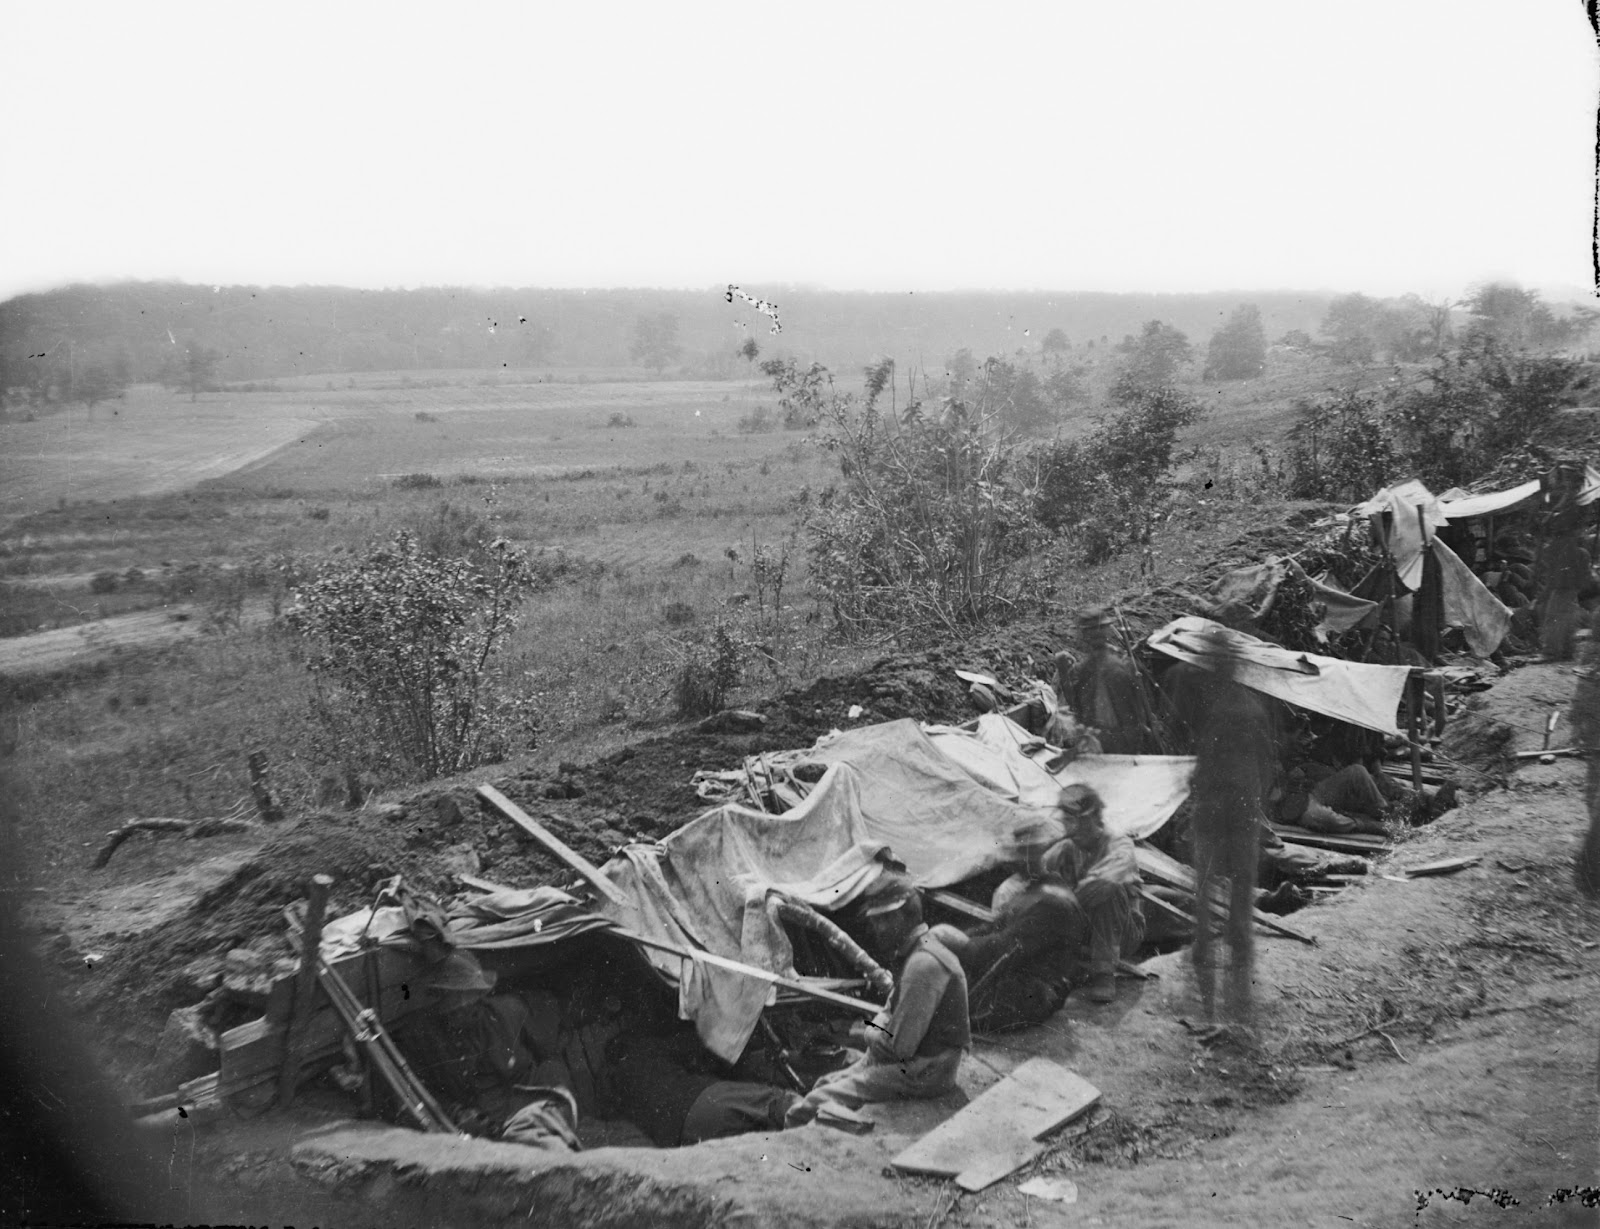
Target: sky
(1373,145)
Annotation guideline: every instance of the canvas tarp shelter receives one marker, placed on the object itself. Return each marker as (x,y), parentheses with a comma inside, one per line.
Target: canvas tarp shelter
(1364,695)
(1468,604)
(947,804)
(1464,507)
(1255,587)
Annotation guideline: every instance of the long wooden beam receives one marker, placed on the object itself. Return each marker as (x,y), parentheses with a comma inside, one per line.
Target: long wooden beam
(555,845)
(750,970)
(1175,874)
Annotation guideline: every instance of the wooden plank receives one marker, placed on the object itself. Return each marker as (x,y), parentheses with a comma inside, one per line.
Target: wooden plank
(1165,906)
(1175,874)
(1344,842)
(554,844)
(483,885)
(961,904)
(252,1054)
(305,986)
(998,1164)
(1032,1101)
(750,970)
(1445,866)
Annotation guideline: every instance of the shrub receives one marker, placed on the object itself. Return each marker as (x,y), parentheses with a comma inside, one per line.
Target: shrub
(757,421)
(403,643)
(1109,489)
(931,528)
(104,582)
(318,514)
(424,416)
(710,670)
(1340,448)
(620,419)
(678,614)
(417,482)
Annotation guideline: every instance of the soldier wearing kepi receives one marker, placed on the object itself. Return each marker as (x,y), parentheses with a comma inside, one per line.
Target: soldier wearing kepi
(1097,869)
(914,1045)
(1101,689)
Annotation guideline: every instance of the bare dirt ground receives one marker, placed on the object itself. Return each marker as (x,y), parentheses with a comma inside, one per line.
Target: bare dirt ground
(1438,1041)
(67,648)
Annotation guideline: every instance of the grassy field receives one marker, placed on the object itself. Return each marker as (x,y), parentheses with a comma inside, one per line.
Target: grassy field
(644,489)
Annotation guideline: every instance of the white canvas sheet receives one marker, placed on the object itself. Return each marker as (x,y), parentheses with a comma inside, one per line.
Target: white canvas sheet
(1364,695)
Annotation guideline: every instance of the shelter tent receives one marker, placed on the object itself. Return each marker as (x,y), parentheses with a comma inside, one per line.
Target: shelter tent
(1416,517)
(1361,694)
(945,803)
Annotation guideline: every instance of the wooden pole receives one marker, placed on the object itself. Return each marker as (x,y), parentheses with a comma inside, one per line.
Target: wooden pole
(750,970)
(1413,707)
(305,986)
(590,872)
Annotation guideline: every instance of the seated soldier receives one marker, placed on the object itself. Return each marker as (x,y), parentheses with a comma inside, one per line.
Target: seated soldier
(1097,869)
(471,1051)
(671,1089)
(1324,800)
(914,1045)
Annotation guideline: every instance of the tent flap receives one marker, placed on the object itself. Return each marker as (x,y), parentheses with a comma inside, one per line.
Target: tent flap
(1364,695)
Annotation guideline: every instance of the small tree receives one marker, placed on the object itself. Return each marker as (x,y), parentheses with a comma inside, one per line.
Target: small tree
(405,641)
(1238,350)
(1109,489)
(1154,358)
(930,530)
(1055,345)
(198,366)
(655,340)
(1341,448)
(1351,326)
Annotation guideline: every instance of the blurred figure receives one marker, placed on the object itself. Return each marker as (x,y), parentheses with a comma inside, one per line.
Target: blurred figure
(1235,745)
(1585,717)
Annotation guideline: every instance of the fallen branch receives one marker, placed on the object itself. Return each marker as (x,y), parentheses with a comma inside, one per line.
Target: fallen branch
(190,828)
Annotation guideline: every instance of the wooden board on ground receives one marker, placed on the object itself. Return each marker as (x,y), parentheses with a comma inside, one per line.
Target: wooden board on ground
(994,1134)
(1445,866)
(1344,842)
(1168,870)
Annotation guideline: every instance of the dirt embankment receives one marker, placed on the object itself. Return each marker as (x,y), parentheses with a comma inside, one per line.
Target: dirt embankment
(1436,1042)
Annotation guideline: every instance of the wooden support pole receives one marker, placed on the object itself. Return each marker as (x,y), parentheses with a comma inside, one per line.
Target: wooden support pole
(590,872)
(1413,715)
(305,986)
(750,970)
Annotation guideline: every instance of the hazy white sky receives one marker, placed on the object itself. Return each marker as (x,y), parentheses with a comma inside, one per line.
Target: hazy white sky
(1377,145)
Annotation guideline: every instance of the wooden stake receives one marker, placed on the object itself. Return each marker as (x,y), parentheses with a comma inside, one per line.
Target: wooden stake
(590,872)
(750,970)
(305,986)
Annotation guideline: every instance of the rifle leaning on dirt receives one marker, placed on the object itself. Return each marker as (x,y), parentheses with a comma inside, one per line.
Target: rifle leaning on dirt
(364,1026)
(382,1053)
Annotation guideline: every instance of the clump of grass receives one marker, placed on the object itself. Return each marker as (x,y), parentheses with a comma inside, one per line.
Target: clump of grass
(417,482)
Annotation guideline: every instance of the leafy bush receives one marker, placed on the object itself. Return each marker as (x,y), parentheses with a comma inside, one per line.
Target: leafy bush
(678,614)
(1109,489)
(619,419)
(757,421)
(710,670)
(1480,408)
(1341,448)
(417,482)
(931,528)
(318,514)
(402,646)
(104,582)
